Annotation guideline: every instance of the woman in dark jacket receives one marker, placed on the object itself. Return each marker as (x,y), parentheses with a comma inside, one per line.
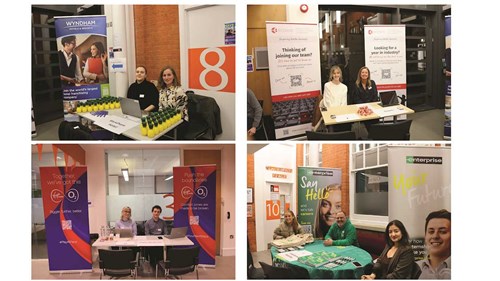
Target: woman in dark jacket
(397,260)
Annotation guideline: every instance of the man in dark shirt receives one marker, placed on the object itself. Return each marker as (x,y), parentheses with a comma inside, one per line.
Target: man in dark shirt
(155,226)
(69,62)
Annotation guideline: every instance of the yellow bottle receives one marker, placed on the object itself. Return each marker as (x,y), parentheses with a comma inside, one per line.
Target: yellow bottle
(106,106)
(151,132)
(144,129)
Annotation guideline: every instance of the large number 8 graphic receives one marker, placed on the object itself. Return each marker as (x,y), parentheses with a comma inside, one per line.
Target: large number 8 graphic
(216,68)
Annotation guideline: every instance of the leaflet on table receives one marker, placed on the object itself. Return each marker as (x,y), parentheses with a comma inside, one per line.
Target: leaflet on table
(115,124)
(318,259)
(293,255)
(346,117)
(388,111)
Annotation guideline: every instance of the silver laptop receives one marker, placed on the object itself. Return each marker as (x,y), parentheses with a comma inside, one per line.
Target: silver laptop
(388,98)
(124,232)
(177,232)
(132,108)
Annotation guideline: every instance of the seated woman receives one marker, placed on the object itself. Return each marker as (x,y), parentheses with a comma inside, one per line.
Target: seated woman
(397,260)
(365,91)
(144,91)
(288,227)
(126,221)
(173,97)
(335,94)
(96,67)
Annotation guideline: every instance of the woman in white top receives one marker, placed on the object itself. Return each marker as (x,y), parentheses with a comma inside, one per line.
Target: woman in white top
(335,92)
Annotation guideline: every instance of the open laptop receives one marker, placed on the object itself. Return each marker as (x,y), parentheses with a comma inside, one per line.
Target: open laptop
(131,107)
(124,232)
(177,232)
(388,98)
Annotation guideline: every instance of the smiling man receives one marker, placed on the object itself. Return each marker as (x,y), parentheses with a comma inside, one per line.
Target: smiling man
(341,233)
(437,264)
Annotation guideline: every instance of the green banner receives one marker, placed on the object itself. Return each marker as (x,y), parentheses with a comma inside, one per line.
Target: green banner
(319,197)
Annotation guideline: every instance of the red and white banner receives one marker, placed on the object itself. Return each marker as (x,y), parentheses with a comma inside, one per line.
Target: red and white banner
(385,56)
(294,74)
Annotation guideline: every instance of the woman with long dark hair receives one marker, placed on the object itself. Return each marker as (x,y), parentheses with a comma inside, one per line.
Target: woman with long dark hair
(397,260)
(96,66)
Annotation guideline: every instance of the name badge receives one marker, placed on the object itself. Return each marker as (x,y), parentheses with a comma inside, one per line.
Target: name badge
(369,88)
(159,229)
(141,96)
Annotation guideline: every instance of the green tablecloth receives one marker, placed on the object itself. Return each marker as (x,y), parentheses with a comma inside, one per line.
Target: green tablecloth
(346,271)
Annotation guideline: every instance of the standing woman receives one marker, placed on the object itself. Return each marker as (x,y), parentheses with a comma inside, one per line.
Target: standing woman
(96,67)
(365,89)
(290,226)
(173,97)
(144,91)
(126,221)
(397,260)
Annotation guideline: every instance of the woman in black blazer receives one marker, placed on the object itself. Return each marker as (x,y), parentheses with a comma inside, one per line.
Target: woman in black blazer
(397,260)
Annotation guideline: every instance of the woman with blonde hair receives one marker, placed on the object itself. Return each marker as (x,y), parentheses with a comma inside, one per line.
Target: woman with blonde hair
(126,220)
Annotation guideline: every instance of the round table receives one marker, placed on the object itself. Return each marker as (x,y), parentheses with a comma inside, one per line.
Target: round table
(346,271)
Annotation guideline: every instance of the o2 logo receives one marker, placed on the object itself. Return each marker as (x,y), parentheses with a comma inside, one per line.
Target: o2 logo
(212,69)
(72,195)
(201,192)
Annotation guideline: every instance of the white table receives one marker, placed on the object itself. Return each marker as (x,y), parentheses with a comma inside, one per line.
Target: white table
(135,131)
(144,241)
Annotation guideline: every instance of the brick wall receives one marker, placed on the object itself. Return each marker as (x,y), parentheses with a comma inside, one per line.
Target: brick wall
(157,38)
(251,221)
(337,156)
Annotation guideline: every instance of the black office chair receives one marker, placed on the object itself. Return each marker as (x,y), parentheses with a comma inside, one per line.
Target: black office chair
(344,135)
(180,261)
(74,131)
(252,271)
(273,272)
(118,263)
(399,130)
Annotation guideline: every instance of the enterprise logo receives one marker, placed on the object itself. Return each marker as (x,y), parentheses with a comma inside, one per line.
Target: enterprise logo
(424,160)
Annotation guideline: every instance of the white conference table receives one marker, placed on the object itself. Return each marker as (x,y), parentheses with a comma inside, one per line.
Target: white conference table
(348,113)
(135,131)
(144,241)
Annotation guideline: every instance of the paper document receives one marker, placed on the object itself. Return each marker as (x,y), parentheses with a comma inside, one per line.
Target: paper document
(293,255)
(387,111)
(116,124)
(346,117)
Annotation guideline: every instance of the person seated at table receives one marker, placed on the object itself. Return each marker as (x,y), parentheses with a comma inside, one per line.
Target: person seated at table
(173,97)
(126,221)
(144,91)
(155,226)
(335,94)
(437,263)
(365,91)
(396,260)
(290,226)
(341,233)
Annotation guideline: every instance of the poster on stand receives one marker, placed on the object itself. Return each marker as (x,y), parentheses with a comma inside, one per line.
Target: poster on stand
(294,74)
(83,60)
(319,196)
(65,206)
(419,183)
(385,56)
(195,207)
(447,72)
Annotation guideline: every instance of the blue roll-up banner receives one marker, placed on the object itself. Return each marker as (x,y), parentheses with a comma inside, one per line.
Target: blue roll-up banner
(83,61)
